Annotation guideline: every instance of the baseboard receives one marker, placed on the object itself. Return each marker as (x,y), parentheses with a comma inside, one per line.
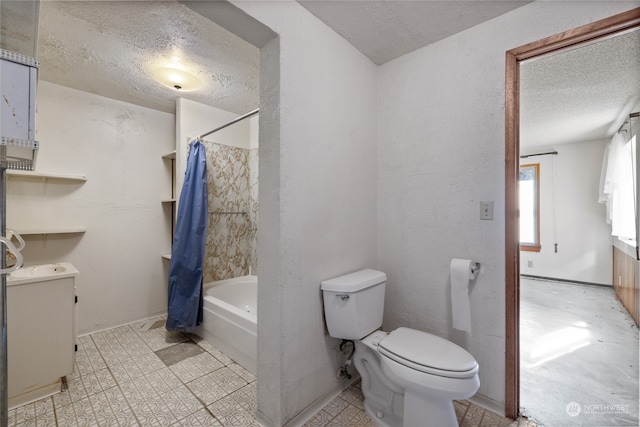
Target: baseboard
(103,328)
(488,403)
(308,413)
(262,421)
(554,279)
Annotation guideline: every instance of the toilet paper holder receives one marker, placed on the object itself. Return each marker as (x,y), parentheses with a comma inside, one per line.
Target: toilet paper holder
(475,267)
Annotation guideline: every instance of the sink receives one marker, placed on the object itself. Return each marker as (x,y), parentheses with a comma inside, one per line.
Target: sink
(41,273)
(49,269)
(20,273)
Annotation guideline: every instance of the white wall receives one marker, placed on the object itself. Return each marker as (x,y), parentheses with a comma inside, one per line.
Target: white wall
(441,152)
(583,236)
(254,126)
(318,179)
(194,119)
(118,146)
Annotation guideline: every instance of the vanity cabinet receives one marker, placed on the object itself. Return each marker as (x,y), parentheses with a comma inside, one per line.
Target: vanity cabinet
(41,331)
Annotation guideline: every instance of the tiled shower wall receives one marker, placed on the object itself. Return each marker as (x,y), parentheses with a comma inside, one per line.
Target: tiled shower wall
(231,248)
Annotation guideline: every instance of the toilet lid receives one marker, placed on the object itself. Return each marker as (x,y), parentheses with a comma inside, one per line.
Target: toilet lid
(428,353)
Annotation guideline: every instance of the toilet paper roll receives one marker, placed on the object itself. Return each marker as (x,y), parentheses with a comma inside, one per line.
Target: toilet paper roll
(461,274)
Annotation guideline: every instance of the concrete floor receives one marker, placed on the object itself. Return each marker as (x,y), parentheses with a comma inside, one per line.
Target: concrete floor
(578,356)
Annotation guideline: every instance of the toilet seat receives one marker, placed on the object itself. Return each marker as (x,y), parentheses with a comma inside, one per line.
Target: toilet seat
(428,353)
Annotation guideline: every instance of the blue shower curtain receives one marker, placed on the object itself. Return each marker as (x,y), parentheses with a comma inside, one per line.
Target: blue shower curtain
(187,256)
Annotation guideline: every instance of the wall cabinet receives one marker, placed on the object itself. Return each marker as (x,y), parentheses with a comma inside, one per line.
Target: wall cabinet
(18,78)
(625,281)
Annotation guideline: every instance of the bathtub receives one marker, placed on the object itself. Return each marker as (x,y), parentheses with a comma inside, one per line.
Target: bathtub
(230,318)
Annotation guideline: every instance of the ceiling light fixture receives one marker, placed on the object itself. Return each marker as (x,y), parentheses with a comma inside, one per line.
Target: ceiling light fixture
(177,79)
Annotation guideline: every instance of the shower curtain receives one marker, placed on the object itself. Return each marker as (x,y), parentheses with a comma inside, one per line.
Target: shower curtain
(187,256)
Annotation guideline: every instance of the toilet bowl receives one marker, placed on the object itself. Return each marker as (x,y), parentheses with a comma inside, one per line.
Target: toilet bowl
(409,377)
(399,391)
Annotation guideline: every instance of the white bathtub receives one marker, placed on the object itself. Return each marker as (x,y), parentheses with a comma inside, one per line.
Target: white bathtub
(230,318)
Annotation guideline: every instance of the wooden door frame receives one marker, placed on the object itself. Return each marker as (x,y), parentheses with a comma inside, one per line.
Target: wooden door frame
(586,33)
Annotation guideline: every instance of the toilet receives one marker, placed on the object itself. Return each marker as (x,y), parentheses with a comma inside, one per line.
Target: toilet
(409,377)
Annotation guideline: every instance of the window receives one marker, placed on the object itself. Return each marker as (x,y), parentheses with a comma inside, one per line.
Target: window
(530,207)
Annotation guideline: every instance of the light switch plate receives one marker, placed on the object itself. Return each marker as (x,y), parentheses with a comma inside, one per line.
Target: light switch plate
(486,210)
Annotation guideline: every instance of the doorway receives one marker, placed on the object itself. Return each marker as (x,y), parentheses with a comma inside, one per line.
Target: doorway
(600,29)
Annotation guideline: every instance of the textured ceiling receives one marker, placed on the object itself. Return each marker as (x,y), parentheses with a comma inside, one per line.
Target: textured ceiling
(581,94)
(111,48)
(385,30)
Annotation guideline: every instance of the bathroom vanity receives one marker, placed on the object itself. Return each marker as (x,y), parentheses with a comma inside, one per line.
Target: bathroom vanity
(41,330)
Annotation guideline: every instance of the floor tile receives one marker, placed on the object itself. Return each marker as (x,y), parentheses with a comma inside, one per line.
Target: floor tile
(473,416)
(246,398)
(460,408)
(178,352)
(121,380)
(336,406)
(320,419)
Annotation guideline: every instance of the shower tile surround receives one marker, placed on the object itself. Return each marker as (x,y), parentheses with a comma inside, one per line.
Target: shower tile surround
(231,246)
(143,375)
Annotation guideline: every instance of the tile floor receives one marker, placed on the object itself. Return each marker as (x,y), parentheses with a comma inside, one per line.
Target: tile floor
(142,375)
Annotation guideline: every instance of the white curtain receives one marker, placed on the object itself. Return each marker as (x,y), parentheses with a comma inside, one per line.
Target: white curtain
(617,186)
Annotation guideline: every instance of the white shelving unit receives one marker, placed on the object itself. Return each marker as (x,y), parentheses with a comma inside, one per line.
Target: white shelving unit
(172,201)
(46,176)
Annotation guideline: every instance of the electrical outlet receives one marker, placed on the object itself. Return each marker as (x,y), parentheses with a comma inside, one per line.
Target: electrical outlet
(486,210)
(530,264)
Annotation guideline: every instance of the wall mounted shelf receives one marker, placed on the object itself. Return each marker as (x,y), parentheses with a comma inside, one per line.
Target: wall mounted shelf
(171,157)
(53,230)
(46,176)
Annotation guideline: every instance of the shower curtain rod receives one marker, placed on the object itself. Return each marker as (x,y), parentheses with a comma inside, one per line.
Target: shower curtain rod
(236,120)
(631,116)
(552,153)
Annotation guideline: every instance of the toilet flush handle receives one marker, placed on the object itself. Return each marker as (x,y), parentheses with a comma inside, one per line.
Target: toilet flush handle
(343,297)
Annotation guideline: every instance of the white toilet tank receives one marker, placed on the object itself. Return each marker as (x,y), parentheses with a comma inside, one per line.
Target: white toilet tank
(354,303)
